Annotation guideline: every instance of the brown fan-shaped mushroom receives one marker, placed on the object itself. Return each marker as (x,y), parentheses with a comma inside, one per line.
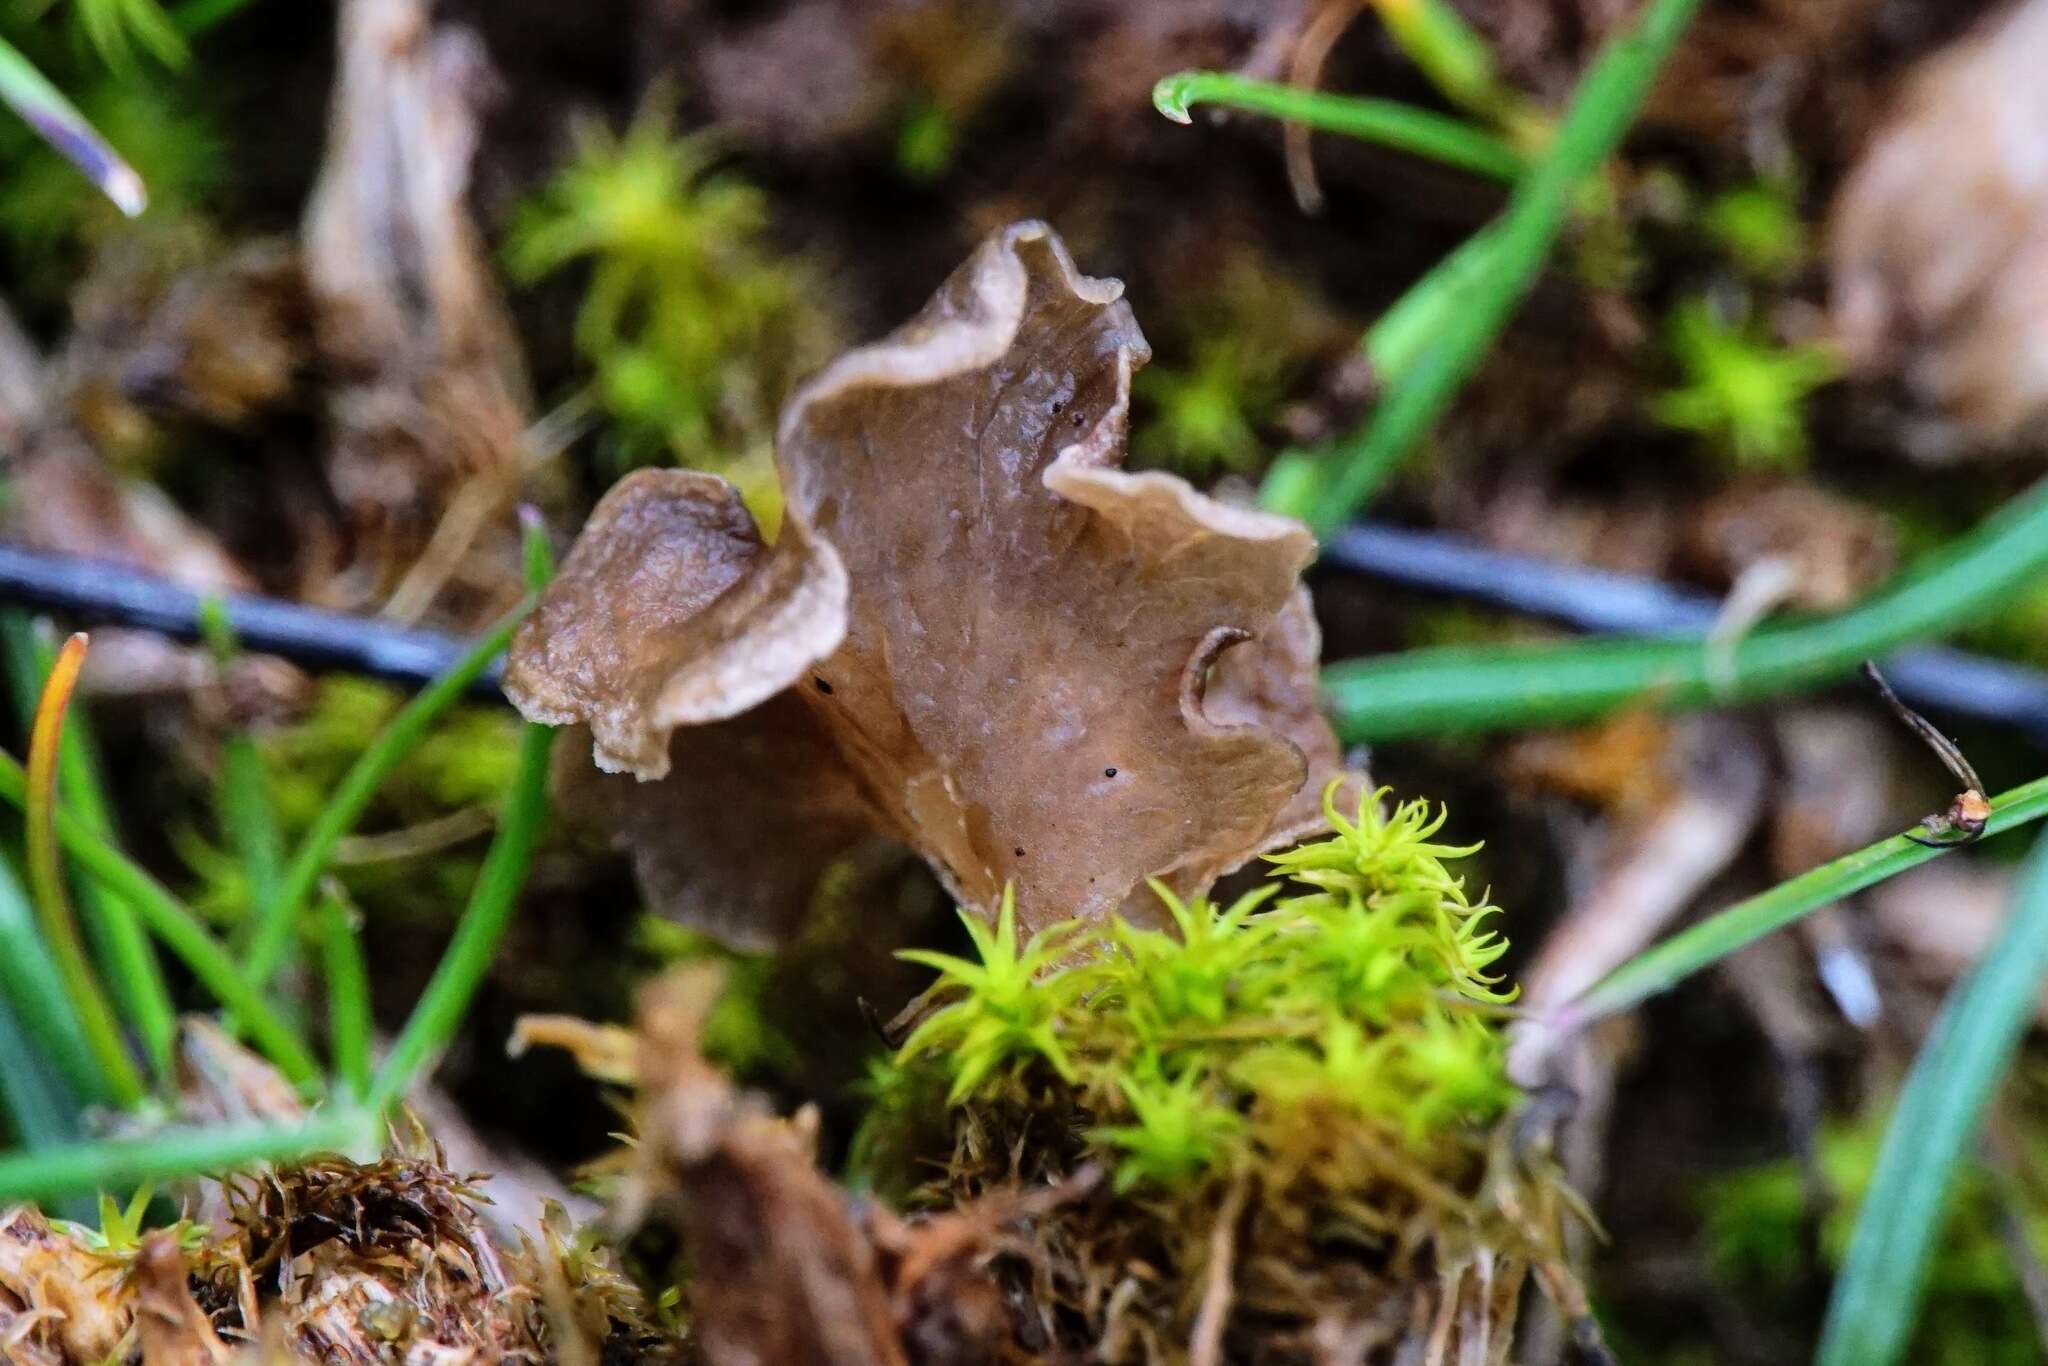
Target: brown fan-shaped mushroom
(1000,643)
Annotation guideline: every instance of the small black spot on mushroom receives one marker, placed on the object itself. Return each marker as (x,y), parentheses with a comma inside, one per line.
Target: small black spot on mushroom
(1019,851)
(823,686)
(1109,773)
(1057,406)
(1077,419)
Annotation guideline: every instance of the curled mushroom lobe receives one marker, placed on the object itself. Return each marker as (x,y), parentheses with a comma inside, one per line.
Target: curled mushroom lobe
(975,635)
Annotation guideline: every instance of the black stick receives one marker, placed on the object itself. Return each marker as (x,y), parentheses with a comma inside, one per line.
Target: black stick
(1934,677)
(96,592)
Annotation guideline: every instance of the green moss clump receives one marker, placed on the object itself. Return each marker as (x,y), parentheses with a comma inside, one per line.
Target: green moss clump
(1329,1041)
(1744,392)
(694,327)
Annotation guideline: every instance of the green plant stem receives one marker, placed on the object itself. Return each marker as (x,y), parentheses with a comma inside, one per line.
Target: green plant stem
(1601,110)
(35,992)
(179,930)
(1663,966)
(1476,688)
(348,995)
(1404,127)
(441,1006)
(50,897)
(273,938)
(122,946)
(1876,1297)
(177,1153)
(249,820)
(499,881)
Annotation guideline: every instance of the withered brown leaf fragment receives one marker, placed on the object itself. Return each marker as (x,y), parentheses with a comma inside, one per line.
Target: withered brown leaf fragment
(171,1327)
(1940,235)
(1001,645)
(427,391)
(58,1302)
(780,1275)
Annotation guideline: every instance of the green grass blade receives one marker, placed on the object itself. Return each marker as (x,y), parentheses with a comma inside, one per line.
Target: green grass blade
(58,122)
(1451,53)
(120,944)
(1664,965)
(174,1154)
(348,994)
(1876,1297)
(439,1011)
(1476,688)
(491,903)
(41,1112)
(273,938)
(249,821)
(1601,110)
(33,989)
(179,930)
(1389,123)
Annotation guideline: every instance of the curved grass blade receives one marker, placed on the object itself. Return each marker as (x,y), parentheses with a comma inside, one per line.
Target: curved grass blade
(1476,688)
(273,937)
(134,976)
(58,122)
(1451,141)
(46,883)
(1601,110)
(1664,965)
(492,900)
(348,992)
(1876,1298)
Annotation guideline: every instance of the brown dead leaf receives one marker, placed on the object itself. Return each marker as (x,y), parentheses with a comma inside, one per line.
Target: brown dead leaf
(1007,641)
(780,1273)
(172,1328)
(1940,233)
(56,1297)
(426,387)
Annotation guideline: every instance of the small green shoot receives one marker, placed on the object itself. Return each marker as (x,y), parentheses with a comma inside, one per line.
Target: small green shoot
(1743,391)
(1004,1016)
(1758,225)
(1178,1133)
(175,1154)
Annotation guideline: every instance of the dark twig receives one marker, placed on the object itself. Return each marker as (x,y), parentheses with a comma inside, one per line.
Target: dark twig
(96,593)
(1963,822)
(1942,680)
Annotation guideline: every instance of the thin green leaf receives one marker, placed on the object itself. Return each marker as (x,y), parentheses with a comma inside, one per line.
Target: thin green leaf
(1389,123)
(30,982)
(58,122)
(348,993)
(273,938)
(41,1109)
(439,1011)
(178,929)
(174,1154)
(1701,946)
(491,902)
(1601,110)
(1877,1295)
(1475,688)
